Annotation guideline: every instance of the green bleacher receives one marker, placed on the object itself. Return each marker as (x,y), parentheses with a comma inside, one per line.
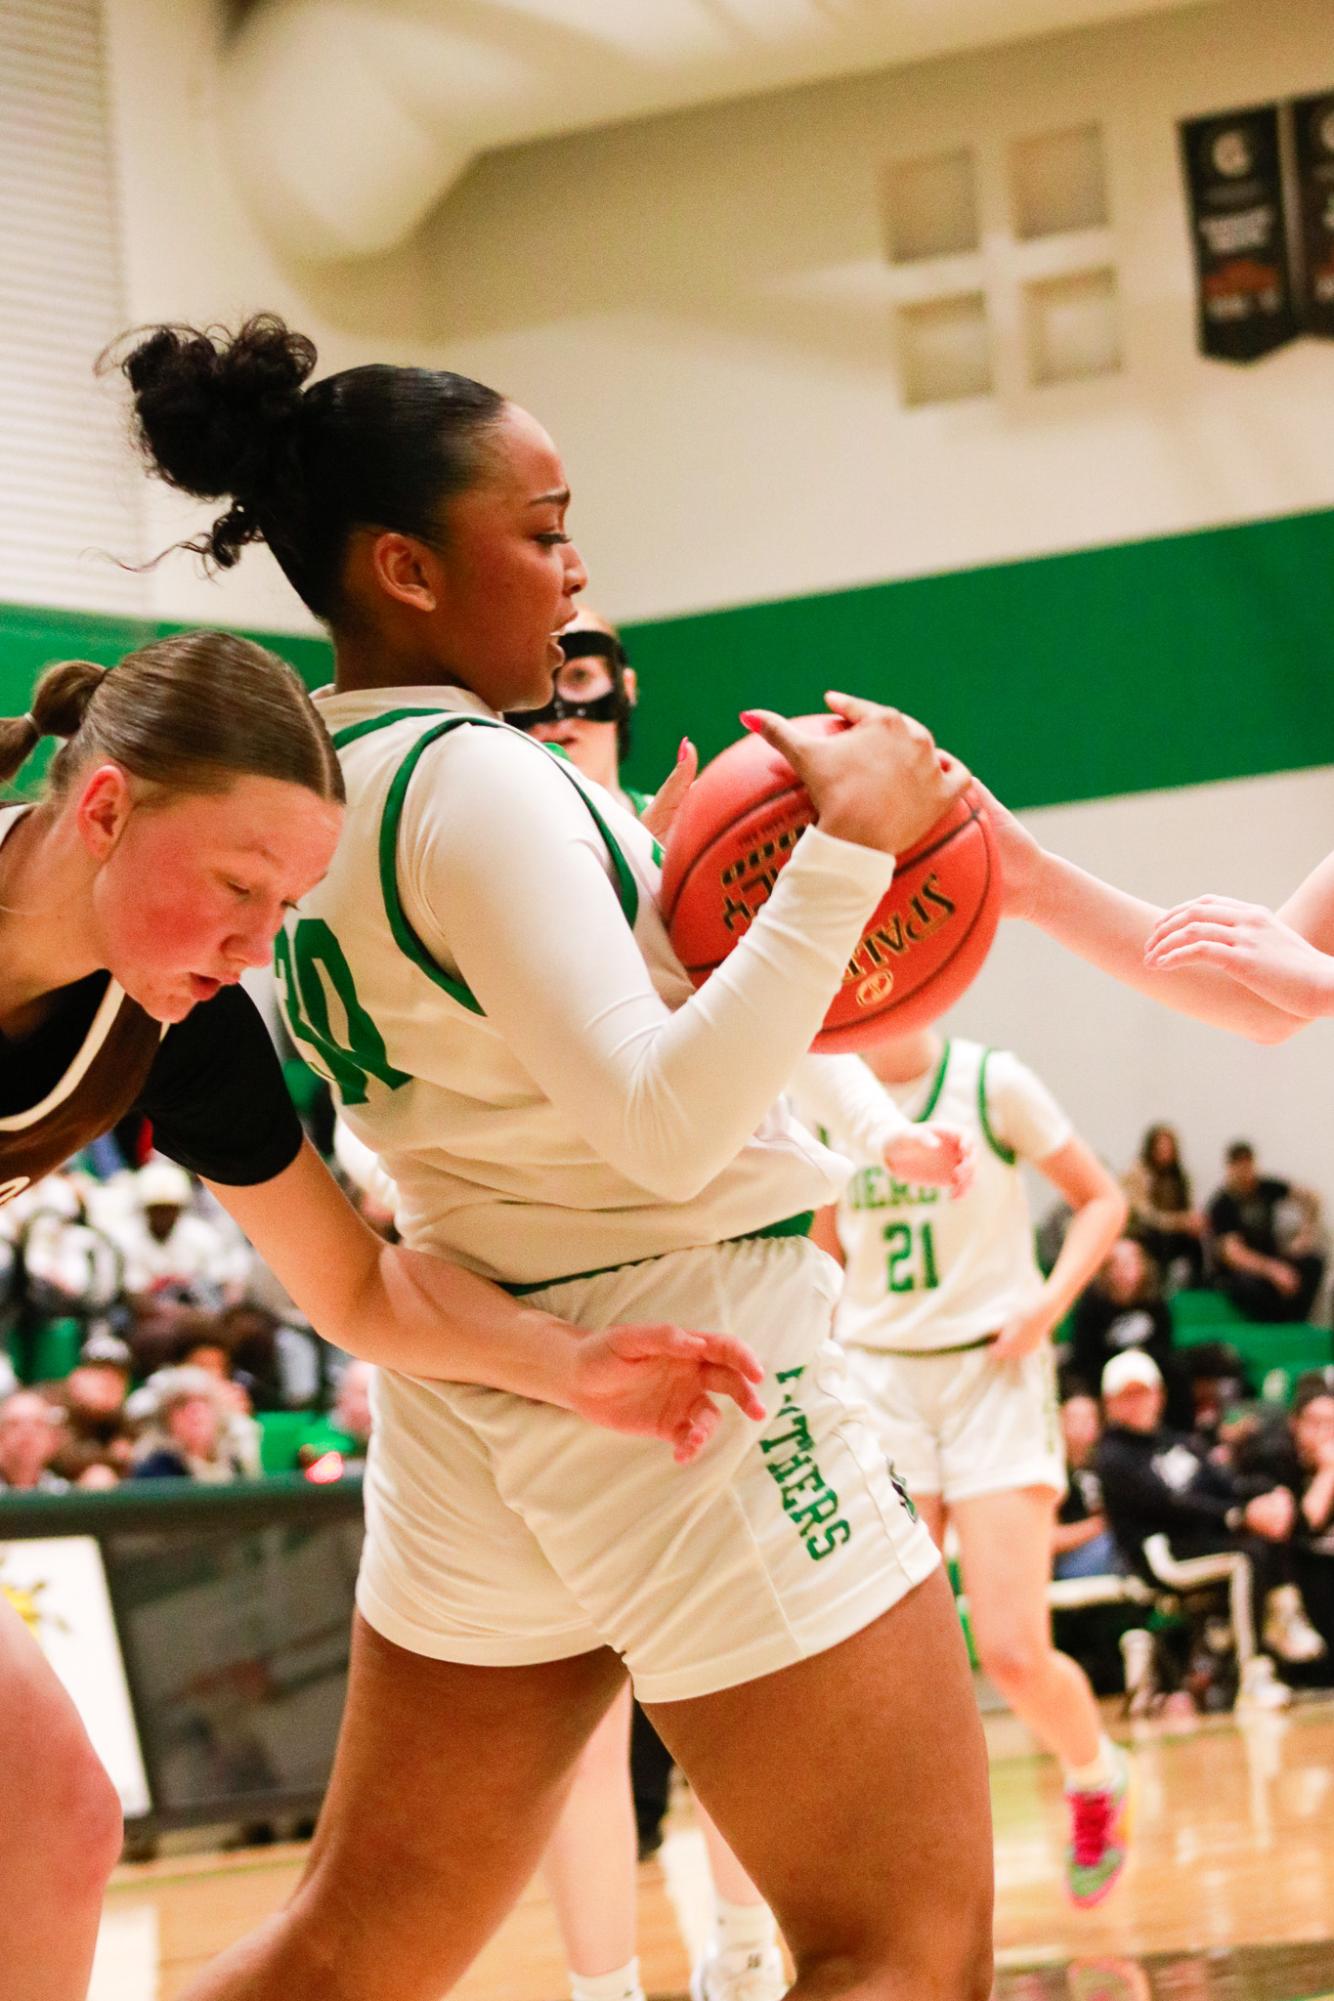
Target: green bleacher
(1276,1354)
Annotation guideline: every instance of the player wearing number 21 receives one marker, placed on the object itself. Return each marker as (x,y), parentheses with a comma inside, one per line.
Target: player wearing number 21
(946,1320)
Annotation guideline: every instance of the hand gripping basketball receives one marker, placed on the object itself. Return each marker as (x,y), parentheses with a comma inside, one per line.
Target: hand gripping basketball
(874,775)
(867,774)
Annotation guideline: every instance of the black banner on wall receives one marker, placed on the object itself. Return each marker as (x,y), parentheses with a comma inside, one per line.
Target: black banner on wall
(1313,127)
(1234,179)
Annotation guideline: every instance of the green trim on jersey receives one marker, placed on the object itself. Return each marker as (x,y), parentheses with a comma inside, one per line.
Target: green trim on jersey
(937,1086)
(998,1147)
(799,1225)
(351,731)
(404,936)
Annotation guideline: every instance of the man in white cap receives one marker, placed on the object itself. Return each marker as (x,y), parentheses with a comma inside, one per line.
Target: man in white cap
(1183,1520)
(171,1247)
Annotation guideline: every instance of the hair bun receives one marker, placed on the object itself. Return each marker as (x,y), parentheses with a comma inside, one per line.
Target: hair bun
(214,412)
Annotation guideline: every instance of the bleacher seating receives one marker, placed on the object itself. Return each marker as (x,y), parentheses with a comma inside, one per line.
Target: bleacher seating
(1276,1354)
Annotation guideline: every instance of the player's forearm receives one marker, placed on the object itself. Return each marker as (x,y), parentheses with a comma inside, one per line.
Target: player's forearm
(840,1093)
(417,1313)
(1111,929)
(389,1305)
(672,1106)
(1094,1228)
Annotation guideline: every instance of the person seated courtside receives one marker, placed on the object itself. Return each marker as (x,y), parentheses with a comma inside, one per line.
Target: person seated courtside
(1265,1260)
(1162,1215)
(1175,1512)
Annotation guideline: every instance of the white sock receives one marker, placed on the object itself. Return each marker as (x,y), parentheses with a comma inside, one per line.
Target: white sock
(621,1985)
(1098,1776)
(744,1927)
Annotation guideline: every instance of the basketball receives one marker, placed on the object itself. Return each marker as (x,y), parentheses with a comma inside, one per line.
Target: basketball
(922,948)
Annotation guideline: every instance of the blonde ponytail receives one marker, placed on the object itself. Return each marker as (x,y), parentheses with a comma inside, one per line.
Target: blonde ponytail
(59,706)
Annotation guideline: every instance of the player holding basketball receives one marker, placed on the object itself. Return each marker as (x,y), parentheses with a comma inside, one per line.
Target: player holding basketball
(196,796)
(590,1864)
(554,1101)
(947,1323)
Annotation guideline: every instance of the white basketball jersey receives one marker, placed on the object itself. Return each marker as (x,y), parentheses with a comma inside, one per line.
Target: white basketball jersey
(487,1170)
(925,1272)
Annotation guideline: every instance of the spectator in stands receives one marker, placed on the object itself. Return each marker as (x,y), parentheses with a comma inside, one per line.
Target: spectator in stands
(1298,1454)
(1162,1216)
(29,1440)
(280,1364)
(203,1344)
(1268,1271)
(1083,1545)
(1121,1310)
(1169,1504)
(352,1407)
(170,1248)
(189,1429)
(71,1268)
(93,1399)
(88,1467)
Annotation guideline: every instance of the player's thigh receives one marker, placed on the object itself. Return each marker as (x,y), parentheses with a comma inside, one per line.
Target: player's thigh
(605,1758)
(1005,1554)
(853,1788)
(445,1788)
(55,1796)
(931,1510)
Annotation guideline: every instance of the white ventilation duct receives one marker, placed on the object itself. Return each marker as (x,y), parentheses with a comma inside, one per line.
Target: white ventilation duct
(347,121)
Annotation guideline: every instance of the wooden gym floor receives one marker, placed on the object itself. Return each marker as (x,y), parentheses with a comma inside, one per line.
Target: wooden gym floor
(1230,1896)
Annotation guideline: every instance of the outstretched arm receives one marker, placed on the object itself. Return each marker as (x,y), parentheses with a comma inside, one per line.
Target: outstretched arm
(1285,957)
(1115,932)
(415,1312)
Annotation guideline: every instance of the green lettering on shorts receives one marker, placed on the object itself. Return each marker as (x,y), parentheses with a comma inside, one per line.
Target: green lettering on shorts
(809,1502)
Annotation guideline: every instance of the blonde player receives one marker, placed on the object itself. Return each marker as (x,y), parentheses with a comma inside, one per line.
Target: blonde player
(486,975)
(195,795)
(947,1320)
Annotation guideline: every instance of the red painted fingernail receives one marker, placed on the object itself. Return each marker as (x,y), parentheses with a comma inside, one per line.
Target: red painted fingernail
(750,718)
(683,750)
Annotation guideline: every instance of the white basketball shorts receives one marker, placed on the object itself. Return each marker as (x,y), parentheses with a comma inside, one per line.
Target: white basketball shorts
(502,1532)
(964,1425)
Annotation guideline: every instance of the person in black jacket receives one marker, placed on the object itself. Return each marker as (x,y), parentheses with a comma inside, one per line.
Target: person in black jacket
(1267,1274)
(1176,1513)
(1124,1309)
(1299,1454)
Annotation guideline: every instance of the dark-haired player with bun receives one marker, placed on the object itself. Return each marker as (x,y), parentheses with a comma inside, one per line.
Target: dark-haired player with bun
(196,798)
(559,1109)
(589,1866)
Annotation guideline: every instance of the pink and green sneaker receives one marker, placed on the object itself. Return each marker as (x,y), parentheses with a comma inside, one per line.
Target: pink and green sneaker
(1099,1838)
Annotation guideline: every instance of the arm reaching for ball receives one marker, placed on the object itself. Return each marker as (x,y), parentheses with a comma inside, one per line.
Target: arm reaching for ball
(1232,965)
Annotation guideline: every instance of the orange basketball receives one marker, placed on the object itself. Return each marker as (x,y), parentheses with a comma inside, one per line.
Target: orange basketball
(922,948)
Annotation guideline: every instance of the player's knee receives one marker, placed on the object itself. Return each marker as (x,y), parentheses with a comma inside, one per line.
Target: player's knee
(1012,1659)
(949,1961)
(82,1827)
(933,1947)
